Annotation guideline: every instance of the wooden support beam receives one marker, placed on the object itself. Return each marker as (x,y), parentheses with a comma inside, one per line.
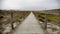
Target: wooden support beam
(12,20)
(46,20)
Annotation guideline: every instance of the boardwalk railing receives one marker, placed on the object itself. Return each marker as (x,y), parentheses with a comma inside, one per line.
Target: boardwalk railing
(44,20)
(41,18)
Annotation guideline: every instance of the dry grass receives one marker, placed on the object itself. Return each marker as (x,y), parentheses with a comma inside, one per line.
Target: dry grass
(11,16)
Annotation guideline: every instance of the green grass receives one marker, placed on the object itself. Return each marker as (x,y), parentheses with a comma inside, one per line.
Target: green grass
(51,17)
(54,17)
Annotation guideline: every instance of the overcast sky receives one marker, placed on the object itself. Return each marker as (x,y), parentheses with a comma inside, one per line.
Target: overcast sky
(29,4)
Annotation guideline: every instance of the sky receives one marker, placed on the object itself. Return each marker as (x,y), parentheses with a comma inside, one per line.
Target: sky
(29,4)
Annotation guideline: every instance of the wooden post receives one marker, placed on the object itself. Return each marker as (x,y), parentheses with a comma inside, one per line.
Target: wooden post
(46,20)
(12,20)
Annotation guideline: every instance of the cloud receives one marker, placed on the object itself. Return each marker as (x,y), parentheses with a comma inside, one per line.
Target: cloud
(29,4)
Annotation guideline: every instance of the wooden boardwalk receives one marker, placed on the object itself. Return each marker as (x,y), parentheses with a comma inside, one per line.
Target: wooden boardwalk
(29,26)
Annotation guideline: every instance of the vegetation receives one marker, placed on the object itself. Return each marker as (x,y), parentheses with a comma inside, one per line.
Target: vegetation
(51,17)
(53,20)
(54,17)
(11,17)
